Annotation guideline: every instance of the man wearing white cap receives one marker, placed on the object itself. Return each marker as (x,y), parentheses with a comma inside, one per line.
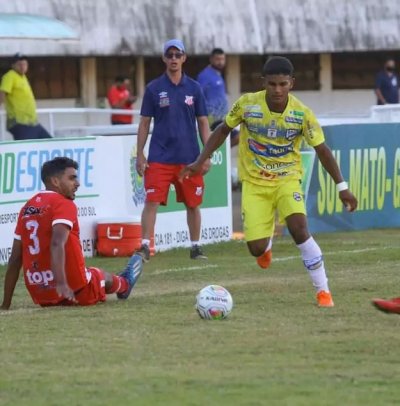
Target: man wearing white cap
(176,103)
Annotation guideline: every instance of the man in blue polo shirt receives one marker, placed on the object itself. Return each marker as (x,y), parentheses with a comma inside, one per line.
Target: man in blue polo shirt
(387,84)
(213,85)
(176,102)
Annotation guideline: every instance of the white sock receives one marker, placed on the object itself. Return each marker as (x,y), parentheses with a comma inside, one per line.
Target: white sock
(145,241)
(314,262)
(194,243)
(269,246)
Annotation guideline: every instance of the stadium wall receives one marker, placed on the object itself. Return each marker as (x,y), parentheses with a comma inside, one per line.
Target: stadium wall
(121,27)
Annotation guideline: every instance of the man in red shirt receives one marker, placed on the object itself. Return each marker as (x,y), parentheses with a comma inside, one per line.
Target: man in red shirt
(47,246)
(119,97)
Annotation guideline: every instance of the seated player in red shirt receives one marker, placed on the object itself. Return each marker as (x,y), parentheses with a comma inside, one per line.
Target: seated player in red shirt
(47,246)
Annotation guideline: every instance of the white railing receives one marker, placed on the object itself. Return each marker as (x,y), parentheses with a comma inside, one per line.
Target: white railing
(387,113)
(62,122)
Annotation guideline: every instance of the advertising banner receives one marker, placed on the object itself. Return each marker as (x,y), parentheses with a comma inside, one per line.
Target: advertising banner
(369,157)
(20,164)
(110,188)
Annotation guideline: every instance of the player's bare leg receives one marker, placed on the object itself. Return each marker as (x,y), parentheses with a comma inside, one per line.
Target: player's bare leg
(312,257)
(261,249)
(123,283)
(149,215)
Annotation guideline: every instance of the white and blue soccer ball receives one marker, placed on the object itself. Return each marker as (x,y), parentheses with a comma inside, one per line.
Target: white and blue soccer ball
(214,302)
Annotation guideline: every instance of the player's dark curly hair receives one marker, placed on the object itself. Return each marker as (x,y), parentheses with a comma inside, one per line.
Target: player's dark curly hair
(278,65)
(56,167)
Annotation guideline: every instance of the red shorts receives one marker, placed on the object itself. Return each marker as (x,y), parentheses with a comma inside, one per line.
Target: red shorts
(94,292)
(159,177)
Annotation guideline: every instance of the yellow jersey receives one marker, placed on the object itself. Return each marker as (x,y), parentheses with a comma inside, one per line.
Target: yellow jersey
(19,101)
(269,142)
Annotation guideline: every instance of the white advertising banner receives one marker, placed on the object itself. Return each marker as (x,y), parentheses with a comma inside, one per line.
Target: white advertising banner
(110,188)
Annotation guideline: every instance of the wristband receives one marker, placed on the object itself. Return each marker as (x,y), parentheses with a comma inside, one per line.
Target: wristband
(342,186)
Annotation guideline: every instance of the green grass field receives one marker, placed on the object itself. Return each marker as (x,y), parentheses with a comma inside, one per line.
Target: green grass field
(276,348)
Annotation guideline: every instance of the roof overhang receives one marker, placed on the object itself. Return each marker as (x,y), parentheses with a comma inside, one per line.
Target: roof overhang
(29,26)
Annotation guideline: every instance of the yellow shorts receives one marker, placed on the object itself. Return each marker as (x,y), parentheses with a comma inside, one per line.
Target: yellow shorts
(259,204)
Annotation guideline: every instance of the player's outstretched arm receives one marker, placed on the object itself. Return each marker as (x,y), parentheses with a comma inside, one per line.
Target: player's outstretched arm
(204,130)
(328,161)
(217,138)
(12,274)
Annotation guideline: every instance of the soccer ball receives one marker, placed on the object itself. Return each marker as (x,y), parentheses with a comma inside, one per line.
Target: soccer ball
(214,303)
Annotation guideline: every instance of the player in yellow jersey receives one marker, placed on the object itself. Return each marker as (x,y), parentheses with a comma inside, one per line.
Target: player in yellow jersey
(273,123)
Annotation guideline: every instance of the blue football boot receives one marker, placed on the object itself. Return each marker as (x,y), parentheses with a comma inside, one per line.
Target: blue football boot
(131,274)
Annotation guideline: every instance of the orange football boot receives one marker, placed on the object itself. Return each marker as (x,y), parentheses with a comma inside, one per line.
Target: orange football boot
(264,260)
(324,299)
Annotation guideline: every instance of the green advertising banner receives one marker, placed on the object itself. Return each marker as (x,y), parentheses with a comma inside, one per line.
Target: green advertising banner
(369,157)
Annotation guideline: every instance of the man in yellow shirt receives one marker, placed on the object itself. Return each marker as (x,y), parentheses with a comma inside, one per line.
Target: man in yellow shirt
(273,124)
(20,105)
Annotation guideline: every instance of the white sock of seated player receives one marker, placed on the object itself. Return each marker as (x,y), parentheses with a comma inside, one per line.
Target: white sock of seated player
(145,241)
(314,263)
(194,243)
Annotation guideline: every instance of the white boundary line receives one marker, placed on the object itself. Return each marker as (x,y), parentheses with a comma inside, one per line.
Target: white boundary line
(190,268)
(279,259)
(357,251)
(21,310)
